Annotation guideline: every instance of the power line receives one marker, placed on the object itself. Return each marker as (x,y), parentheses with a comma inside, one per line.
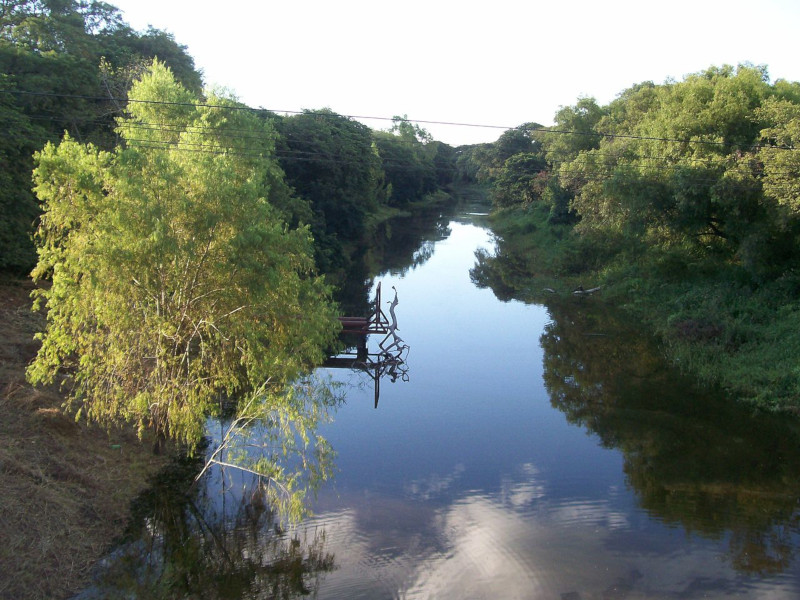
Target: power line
(659,163)
(393,119)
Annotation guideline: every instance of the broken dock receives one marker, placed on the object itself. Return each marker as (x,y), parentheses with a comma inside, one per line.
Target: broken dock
(376,322)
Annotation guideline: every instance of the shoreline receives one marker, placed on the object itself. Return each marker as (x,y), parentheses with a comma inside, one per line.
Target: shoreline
(67,485)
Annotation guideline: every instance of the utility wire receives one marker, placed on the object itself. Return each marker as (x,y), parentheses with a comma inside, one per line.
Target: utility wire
(366,145)
(393,119)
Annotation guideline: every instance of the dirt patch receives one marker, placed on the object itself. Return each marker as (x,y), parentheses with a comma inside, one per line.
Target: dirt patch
(66,486)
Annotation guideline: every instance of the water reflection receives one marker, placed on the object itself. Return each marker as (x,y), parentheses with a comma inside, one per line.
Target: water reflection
(475,486)
(390,365)
(693,458)
(390,359)
(397,246)
(228,536)
(186,542)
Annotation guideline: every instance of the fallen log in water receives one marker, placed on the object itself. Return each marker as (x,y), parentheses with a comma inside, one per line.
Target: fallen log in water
(582,292)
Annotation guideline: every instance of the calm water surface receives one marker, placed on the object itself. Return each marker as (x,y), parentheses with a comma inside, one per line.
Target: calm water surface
(499,471)
(534,452)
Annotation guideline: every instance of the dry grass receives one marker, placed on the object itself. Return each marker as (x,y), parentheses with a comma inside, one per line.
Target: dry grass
(66,487)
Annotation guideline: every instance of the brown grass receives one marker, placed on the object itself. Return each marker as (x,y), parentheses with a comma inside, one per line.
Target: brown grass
(66,487)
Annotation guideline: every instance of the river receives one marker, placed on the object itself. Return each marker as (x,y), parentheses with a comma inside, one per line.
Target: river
(533,452)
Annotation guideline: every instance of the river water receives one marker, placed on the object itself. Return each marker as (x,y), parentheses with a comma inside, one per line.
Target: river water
(533,452)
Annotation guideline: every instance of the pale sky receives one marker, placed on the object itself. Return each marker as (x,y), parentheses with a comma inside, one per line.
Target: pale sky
(497,62)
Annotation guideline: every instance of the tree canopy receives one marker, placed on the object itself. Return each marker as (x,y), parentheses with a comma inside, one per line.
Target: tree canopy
(681,200)
(51,52)
(707,164)
(175,282)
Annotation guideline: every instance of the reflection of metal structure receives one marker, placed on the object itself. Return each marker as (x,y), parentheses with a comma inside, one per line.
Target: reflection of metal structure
(390,361)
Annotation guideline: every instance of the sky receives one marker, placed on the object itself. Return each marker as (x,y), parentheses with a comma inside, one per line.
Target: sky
(493,65)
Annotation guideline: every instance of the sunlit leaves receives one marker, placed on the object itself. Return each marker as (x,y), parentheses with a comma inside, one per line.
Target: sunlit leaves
(781,153)
(174,281)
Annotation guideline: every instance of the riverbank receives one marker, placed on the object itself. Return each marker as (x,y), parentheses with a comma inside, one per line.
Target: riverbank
(714,322)
(66,487)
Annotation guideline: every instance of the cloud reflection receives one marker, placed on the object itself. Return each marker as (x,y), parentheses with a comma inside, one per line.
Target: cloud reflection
(434,485)
(520,542)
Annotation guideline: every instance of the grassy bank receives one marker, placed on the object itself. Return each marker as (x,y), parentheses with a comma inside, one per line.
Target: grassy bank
(66,487)
(715,322)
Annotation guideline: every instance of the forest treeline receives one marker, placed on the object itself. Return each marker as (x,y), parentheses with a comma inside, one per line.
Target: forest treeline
(183,243)
(68,65)
(683,201)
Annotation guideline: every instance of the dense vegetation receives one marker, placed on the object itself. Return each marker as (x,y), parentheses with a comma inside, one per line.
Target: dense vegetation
(682,200)
(64,66)
(180,234)
(67,66)
(353,178)
(173,279)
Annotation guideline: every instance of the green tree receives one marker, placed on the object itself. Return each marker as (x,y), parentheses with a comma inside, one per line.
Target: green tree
(174,281)
(409,170)
(779,153)
(521,180)
(50,54)
(409,157)
(574,131)
(330,161)
(679,169)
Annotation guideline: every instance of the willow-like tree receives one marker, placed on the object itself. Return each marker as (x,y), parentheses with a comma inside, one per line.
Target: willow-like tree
(174,281)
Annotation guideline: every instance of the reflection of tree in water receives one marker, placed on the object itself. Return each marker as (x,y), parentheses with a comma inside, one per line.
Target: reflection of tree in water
(504,273)
(223,537)
(406,243)
(200,545)
(398,245)
(694,458)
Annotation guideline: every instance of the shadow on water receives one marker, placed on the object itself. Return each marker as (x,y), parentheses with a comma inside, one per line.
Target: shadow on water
(184,543)
(224,524)
(694,459)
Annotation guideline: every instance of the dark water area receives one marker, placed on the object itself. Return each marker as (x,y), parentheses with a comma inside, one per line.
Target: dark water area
(533,452)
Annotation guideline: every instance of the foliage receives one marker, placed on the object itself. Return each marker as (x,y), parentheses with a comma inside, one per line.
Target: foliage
(706,165)
(470,163)
(681,200)
(199,547)
(521,180)
(50,57)
(274,436)
(174,281)
(779,153)
(330,161)
(409,159)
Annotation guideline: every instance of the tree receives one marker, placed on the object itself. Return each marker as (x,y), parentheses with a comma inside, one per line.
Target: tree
(408,131)
(409,157)
(174,281)
(779,154)
(679,168)
(574,131)
(521,180)
(409,170)
(329,160)
(50,51)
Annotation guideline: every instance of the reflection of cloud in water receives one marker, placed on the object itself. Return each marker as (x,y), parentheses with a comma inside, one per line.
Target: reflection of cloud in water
(519,543)
(434,485)
(523,493)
